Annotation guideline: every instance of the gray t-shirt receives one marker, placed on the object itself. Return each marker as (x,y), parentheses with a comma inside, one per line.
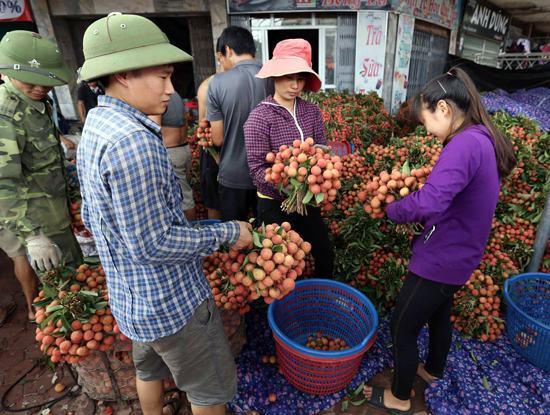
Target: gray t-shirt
(232,95)
(173,117)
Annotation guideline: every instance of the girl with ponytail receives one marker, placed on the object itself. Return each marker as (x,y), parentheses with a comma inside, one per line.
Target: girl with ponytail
(456,207)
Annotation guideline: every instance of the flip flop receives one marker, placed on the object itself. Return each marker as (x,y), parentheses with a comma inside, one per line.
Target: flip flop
(377,400)
(10,310)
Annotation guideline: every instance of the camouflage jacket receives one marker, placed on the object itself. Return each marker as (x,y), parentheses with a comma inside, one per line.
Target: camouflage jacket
(33,190)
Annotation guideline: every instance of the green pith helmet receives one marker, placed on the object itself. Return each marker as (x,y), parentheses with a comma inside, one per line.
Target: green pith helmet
(28,57)
(124,42)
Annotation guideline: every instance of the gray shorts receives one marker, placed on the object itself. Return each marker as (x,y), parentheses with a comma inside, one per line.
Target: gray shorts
(180,157)
(198,358)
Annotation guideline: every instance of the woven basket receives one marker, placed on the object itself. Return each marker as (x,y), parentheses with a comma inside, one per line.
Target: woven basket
(108,376)
(235,330)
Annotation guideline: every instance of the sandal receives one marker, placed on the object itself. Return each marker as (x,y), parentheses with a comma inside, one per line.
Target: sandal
(10,310)
(377,400)
(174,403)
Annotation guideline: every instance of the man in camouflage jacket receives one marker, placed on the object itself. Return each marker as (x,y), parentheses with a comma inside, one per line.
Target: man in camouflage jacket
(34,214)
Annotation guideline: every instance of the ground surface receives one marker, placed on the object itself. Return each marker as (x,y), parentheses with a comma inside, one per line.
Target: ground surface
(19,355)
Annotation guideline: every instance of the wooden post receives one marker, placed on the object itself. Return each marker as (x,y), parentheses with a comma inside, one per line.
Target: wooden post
(43,20)
(391,42)
(218,19)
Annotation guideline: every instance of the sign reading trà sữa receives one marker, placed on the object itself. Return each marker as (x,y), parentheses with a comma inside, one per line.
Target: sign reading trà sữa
(370,51)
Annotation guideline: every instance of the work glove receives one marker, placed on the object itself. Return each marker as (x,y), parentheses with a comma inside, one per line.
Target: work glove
(45,255)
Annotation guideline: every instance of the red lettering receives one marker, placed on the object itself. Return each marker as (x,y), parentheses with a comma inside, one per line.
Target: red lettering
(352,4)
(378,3)
(444,11)
(434,7)
(370,68)
(374,35)
(424,5)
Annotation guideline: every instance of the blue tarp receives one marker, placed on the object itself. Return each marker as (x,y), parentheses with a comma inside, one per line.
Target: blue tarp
(481,378)
(533,103)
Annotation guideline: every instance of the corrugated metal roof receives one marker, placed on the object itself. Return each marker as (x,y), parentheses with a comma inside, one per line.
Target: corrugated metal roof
(528,11)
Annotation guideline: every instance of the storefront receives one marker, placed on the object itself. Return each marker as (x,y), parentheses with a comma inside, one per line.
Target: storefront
(190,25)
(318,29)
(387,46)
(482,32)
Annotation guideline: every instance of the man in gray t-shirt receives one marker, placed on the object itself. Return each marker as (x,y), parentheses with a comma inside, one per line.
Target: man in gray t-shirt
(174,135)
(232,95)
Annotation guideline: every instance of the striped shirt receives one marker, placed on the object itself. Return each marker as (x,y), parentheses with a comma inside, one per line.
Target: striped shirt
(270,126)
(132,203)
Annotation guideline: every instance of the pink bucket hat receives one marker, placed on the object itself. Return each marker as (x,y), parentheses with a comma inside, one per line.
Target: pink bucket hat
(289,57)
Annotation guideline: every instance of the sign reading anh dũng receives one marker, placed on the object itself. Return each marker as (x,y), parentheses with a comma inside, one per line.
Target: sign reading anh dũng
(485,20)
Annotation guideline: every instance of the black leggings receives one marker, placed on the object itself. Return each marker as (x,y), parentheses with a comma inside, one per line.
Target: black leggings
(420,301)
(310,227)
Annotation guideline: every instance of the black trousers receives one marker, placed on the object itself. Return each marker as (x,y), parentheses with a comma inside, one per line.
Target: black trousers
(310,227)
(209,181)
(420,301)
(235,204)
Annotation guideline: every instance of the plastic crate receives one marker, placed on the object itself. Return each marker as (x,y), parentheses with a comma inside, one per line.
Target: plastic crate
(335,309)
(528,316)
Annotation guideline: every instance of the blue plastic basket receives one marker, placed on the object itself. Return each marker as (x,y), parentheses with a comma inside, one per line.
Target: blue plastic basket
(335,309)
(528,316)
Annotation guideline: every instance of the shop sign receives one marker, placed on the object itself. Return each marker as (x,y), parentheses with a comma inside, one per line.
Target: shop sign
(440,12)
(266,6)
(403,48)
(485,20)
(15,11)
(370,51)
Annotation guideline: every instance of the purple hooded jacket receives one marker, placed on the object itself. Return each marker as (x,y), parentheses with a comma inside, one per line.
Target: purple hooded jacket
(456,207)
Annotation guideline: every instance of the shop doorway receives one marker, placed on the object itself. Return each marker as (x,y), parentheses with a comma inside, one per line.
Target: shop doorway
(311,35)
(177,31)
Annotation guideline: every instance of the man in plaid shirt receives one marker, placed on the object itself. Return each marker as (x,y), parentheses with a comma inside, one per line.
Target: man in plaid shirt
(132,203)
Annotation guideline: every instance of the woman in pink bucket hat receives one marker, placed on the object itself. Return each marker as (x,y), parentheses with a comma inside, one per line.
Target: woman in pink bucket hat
(292,57)
(279,120)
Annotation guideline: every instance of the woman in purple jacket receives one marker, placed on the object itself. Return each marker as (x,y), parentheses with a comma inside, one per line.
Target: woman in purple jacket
(456,207)
(281,119)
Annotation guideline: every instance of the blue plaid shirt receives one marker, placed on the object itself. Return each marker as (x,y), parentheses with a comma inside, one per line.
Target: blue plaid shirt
(132,203)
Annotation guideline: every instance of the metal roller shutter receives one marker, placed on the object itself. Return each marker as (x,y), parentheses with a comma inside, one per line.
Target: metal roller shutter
(345,51)
(428,57)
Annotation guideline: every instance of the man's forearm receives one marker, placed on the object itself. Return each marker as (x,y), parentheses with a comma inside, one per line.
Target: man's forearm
(81,111)
(216,131)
